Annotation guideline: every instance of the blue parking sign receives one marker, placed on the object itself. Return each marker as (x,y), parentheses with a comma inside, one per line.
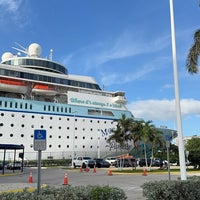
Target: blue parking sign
(39,140)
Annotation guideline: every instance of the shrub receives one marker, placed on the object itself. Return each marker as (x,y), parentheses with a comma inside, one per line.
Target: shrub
(176,190)
(70,193)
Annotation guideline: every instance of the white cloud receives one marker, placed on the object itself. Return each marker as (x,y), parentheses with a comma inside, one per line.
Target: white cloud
(10,5)
(163,110)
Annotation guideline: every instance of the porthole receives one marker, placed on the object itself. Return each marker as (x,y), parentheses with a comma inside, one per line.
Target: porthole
(32,136)
(91,121)
(2,114)
(68,137)
(59,136)
(67,128)
(59,127)
(67,146)
(59,118)
(22,135)
(12,125)
(83,146)
(42,117)
(67,119)
(50,127)
(98,121)
(59,146)
(104,122)
(91,138)
(50,136)
(51,118)
(41,126)
(90,147)
(33,116)
(1,124)
(32,126)
(12,115)
(83,137)
(91,129)
(31,145)
(76,120)
(22,125)
(83,129)
(1,134)
(23,116)
(11,135)
(76,128)
(75,137)
(50,146)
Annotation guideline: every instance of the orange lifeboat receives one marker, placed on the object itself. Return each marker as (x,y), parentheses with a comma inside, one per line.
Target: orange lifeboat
(43,90)
(15,86)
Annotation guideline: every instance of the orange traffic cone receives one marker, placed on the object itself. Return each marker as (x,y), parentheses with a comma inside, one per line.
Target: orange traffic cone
(94,170)
(87,169)
(81,169)
(30,177)
(110,172)
(65,182)
(144,172)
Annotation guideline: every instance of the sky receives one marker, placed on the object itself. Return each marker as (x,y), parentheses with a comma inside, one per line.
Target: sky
(125,45)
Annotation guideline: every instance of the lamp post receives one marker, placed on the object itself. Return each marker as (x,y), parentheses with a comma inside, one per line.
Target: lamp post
(177,100)
(73,138)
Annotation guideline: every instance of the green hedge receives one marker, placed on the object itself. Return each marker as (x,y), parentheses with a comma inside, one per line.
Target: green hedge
(69,193)
(176,190)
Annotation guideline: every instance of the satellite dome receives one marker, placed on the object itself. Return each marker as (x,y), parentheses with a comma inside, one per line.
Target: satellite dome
(6,56)
(34,50)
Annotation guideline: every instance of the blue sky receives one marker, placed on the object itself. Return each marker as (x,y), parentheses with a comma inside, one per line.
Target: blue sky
(124,44)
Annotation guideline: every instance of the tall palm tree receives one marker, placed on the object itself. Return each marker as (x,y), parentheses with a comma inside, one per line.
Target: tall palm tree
(193,55)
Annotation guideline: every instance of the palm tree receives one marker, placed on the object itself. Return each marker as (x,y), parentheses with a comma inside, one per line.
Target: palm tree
(193,55)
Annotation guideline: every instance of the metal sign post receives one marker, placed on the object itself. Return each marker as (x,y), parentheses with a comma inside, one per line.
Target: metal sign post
(39,145)
(168,160)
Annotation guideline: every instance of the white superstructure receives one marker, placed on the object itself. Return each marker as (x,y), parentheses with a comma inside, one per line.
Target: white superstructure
(37,93)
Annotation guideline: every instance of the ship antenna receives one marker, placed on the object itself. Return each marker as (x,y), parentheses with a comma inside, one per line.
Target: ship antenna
(51,54)
(22,50)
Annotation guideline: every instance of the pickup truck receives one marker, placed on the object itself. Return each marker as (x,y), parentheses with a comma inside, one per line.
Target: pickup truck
(83,161)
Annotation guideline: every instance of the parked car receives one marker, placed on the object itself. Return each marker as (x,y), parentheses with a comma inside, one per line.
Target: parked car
(83,161)
(12,165)
(111,160)
(142,162)
(126,162)
(101,163)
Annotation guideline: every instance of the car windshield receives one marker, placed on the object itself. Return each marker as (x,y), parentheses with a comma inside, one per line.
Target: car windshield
(87,158)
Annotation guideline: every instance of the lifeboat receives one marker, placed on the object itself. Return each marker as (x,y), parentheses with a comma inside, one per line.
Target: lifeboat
(15,86)
(44,90)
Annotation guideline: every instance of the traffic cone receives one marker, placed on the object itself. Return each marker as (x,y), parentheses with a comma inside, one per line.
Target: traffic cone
(144,172)
(81,169)
(30,177)
(65,182)
(94,170)
(110,172)
(87,169)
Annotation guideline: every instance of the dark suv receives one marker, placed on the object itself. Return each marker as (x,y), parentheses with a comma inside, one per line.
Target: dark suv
(126,162)
(142,162)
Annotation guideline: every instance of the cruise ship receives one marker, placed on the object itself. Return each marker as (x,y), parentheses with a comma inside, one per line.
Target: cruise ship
(38,94)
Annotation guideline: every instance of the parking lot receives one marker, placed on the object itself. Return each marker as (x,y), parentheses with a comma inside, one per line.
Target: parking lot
(130,183)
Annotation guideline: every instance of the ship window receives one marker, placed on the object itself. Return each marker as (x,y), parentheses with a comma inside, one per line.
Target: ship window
(83,137)
(42,117)
(98,121)
(59,146)
(68,137)
(51,118)
(66,110)
(11,104)
(0,103)
(59,118)
(12,115)
(32,136)
(91,129)
(31,145)
(83,146)
(90,147)
(49,108)
(57,109)
(22,125)
(91,121)
(50,127)
(22,135)
(104,122)
(15,104)
(76,120)
(11,135)
(59,127)
(59,136)
(41,126)
(67,119)
(83,129)
(5,104)
(44,107)
(33,116)
(107,113)
(50,146)
(50,136)
(1,123)
(53,108)
(75,137)
(21,105)
(32,126)
(1,134)
(94,112)
(61,109)
(2,114)
(26,106)
(67,128)
(91,138)
(76,128)
(23,116)
(70,110)
(67,146)
(12,125)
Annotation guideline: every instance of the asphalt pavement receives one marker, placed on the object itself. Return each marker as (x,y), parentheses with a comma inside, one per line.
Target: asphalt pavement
(55,177)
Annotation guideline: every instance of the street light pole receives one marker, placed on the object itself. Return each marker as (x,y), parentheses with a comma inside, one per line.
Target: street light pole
(73,139)
(177,100)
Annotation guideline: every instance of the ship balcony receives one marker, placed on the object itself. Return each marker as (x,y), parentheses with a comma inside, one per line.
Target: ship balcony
(120,99)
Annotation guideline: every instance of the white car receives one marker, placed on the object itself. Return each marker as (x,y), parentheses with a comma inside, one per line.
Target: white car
(111,160)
